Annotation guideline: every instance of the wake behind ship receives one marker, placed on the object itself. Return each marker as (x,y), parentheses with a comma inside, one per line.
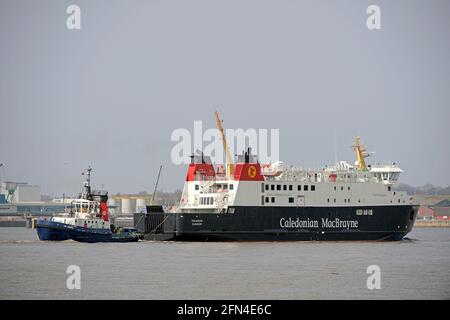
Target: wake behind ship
(249,201)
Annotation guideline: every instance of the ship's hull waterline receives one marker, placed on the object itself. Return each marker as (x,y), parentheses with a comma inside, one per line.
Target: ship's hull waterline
(281,224)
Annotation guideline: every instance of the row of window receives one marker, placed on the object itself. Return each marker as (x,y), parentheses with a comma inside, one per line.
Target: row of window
(286,187)
(206,200)
(291,200)
(342,188)
(219,186)
(364,212)
(88,221)
(345,200)
(272,199)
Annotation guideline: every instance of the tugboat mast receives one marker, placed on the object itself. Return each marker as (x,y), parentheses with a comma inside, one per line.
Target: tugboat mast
(87,185)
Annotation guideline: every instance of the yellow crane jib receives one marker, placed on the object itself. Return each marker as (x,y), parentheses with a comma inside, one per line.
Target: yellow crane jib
(361,154)
(230,162)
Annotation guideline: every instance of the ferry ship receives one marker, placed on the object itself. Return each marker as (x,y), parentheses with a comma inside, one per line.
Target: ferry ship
(250,201)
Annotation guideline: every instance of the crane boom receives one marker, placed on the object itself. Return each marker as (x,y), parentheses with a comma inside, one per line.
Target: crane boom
(156,185)
(230,163)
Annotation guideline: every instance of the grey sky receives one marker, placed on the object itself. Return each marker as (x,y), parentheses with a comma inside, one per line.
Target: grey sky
(110,94)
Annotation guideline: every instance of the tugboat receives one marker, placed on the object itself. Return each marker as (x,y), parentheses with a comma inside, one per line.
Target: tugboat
(88,220)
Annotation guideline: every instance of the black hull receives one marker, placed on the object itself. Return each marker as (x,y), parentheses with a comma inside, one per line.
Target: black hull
(275,224)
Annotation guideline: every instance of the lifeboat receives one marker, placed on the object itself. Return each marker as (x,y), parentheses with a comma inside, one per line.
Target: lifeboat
(272,170)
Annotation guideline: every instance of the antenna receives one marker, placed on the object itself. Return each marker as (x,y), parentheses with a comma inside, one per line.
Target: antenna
(335,148)
(87,184)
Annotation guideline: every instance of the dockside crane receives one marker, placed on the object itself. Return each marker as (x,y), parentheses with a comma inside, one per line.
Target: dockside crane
(230,162)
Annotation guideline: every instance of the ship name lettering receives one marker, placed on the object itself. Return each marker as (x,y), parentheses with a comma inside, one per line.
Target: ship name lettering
(297,223)
(338,223)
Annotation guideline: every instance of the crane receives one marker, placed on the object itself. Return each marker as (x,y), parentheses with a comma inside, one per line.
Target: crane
(230,162)
(156,185)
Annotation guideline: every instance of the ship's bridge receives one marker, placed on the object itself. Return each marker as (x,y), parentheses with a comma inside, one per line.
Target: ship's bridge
(83,206)
(386,174)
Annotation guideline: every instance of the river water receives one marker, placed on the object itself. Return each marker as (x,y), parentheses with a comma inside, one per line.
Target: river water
(415,268)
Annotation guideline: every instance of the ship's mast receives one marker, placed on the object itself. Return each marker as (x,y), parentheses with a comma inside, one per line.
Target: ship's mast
(361,154)
(87,186)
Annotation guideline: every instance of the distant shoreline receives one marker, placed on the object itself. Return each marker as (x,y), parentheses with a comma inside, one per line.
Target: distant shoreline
(432,224)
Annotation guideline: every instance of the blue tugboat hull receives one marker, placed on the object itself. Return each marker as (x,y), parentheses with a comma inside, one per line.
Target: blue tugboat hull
(92,235)
(52,231)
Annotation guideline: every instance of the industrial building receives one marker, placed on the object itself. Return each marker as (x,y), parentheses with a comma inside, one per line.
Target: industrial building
(20,192)
(23,199)
(439,211)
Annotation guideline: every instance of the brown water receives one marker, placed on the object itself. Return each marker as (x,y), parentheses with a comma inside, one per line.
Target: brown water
(418,267)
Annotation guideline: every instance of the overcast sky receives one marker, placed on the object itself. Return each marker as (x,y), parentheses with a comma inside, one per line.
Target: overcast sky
(110,95)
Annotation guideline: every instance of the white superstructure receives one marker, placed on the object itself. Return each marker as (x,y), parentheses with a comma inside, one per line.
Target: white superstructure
(209,188)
